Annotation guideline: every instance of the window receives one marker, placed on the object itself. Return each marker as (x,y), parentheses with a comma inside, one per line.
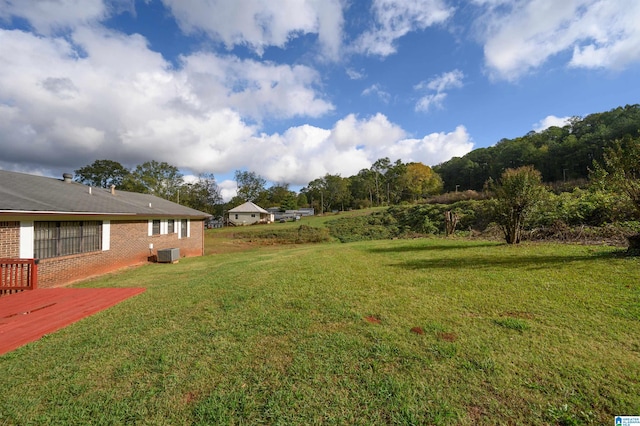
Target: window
(253,215)
(155,230)
(54,239)
(171,226)
(184,233)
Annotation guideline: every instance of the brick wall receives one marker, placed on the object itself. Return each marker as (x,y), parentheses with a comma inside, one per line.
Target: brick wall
(10,239)
(129,246)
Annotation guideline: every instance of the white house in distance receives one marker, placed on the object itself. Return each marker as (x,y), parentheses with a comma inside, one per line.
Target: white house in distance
(248,214)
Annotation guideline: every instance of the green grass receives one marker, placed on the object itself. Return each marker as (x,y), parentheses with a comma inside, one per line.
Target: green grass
(322,334)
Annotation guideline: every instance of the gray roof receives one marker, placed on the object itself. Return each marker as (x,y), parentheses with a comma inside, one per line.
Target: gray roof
(248,207)
(22,193)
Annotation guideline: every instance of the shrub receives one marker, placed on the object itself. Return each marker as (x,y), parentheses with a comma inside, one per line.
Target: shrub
(516,195)
(377,226)
(302,234)
(582,207)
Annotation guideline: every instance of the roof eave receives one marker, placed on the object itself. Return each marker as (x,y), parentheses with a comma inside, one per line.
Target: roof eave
(63,213)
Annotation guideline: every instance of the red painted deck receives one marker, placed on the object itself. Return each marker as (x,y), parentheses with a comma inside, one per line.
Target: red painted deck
(27,316)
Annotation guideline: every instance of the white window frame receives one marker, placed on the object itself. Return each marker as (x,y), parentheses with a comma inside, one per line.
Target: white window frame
(106,235)
(180,236)
(26,240)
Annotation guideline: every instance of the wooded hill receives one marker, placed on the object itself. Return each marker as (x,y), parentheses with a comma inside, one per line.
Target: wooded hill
(559,153)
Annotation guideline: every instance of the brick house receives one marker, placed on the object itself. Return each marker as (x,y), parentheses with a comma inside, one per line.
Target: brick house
(77,231)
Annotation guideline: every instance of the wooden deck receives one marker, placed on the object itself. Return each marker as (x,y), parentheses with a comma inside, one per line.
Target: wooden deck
(29,315)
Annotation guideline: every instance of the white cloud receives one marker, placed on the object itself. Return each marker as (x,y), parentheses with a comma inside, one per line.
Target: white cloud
(395,19)
(47,16)
(257,24)
(228,189)
(372,134)
(433,100)
(521,35)
(122,101)
(355,74)
(376,90)
(549,121)
(262,23)
(440,84)
(306,152)
(255,89)
(445,81)
(95,93)
(433,148)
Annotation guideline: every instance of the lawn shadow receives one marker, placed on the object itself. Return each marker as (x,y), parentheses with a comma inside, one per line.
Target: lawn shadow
(492,261)
(435,247)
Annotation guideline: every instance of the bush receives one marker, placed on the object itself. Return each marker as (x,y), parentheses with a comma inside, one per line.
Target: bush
(429,218)
(582,207)
(377,226)
(587,216)
(302,234)
(454,197)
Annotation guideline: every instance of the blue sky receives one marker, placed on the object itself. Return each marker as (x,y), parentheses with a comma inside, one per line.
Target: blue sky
(295,89)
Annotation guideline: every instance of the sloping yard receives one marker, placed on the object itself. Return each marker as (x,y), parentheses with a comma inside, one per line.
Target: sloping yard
(425,331)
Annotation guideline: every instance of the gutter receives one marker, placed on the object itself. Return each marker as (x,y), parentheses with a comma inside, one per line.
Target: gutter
(45,212)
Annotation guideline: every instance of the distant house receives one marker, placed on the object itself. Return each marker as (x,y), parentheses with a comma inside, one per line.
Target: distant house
(287,215)
(77,231)
(248,214)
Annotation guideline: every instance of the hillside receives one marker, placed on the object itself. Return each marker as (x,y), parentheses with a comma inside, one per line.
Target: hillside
(560,154)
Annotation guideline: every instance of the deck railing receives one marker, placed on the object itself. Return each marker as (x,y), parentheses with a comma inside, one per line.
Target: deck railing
(18,275)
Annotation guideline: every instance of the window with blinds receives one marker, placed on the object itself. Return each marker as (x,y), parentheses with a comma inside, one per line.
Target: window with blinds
(183,228)
(54,239)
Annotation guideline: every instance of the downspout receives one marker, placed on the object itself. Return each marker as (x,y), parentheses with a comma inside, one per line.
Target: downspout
(203,237)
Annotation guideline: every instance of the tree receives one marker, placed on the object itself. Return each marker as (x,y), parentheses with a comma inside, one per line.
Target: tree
(363,186)
(313,195)
(336,191)
(456,173)
(289,202)
(622,168)
(302,201)
(279,195)
(387,177)
(102,174)
(328,192)
(621,172)
(160,179)
(394,178)
(516,193)
(203,195)
(379,169)
(250,185)
(420,181)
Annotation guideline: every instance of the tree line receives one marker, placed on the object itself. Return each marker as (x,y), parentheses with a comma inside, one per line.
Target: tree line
(385,183)
(158,178)
(557,154)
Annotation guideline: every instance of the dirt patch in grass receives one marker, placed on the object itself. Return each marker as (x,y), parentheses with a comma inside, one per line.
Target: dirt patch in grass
(476,414)
(372,319)
(447,337)
(417,330)
(190,397)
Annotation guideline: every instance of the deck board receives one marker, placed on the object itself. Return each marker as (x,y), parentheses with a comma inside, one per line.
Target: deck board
(27,316)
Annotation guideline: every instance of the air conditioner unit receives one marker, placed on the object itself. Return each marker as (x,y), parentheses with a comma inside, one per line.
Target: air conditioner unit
(170,255)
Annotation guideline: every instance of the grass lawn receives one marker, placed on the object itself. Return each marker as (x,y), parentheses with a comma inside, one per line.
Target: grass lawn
(425,331)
